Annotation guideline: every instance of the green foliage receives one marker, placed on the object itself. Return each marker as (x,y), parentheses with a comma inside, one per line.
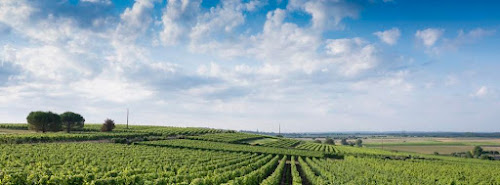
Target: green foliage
(14,126)
(359,142)
(44,121)
(344,142)
(283,143)
(256,176)
(296,179)
(275,177)
(71,120)
(477,152)
(317,147)
(317,141)
(108,125)
(105,163)
(310,174)
(145,132)
(329,141)
(356,170)
(52,137)
(216,146)
(228,137)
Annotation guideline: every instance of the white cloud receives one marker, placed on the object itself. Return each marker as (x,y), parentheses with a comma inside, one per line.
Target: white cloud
(15,12)
(389,36)
(429,36)
(481,92)
(223,18)
(353,55)
(111,88)
(135,20)
(176,19)
(326,14)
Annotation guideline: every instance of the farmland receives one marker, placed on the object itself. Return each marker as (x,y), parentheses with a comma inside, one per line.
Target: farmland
(175,155)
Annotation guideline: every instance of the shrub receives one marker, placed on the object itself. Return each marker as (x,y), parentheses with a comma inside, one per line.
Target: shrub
(329,141)
(108,125)
(359,142)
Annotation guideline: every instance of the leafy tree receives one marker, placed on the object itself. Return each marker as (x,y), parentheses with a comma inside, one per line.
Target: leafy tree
(344,142)
(477,151)
(44,121)
(329,141)
(108,125)
(468,154)
(72,120)
(359,142)
(317,141)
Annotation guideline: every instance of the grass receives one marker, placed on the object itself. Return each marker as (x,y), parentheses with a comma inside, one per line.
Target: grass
(431,141)
(428,149)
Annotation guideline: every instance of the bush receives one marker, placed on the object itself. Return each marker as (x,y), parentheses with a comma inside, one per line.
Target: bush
(344,142)
(359,142)
(329,141)
(486,157)
(108,125)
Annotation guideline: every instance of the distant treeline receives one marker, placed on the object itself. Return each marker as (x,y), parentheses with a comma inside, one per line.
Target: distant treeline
(381,134)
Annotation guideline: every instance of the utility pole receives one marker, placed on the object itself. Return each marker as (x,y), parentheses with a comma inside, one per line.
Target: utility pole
(127,118)
(279,129)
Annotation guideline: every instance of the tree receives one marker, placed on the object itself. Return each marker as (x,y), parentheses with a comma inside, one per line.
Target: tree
(317,141)
(359,142)
(108,125)
(44,121)
(72,120)
(468,154)
(329,141)
(477,151)
(344,142)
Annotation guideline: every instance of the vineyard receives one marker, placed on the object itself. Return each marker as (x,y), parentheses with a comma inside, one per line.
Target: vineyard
(283,143)
(227,137)
(216,146)
(317,147)
(203,156)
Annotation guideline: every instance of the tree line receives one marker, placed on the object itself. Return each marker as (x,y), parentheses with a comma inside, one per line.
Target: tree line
(343,141)
(41,121)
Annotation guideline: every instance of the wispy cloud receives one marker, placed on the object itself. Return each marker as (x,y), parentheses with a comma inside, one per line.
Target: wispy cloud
(429,36)
(389,36)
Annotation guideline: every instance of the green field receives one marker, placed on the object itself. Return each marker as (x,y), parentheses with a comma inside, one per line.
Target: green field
(430,145)
(175,155)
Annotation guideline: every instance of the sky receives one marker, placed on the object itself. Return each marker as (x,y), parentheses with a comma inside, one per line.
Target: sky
(309,66)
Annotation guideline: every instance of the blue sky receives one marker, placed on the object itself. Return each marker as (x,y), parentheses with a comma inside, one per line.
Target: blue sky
(317,65)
